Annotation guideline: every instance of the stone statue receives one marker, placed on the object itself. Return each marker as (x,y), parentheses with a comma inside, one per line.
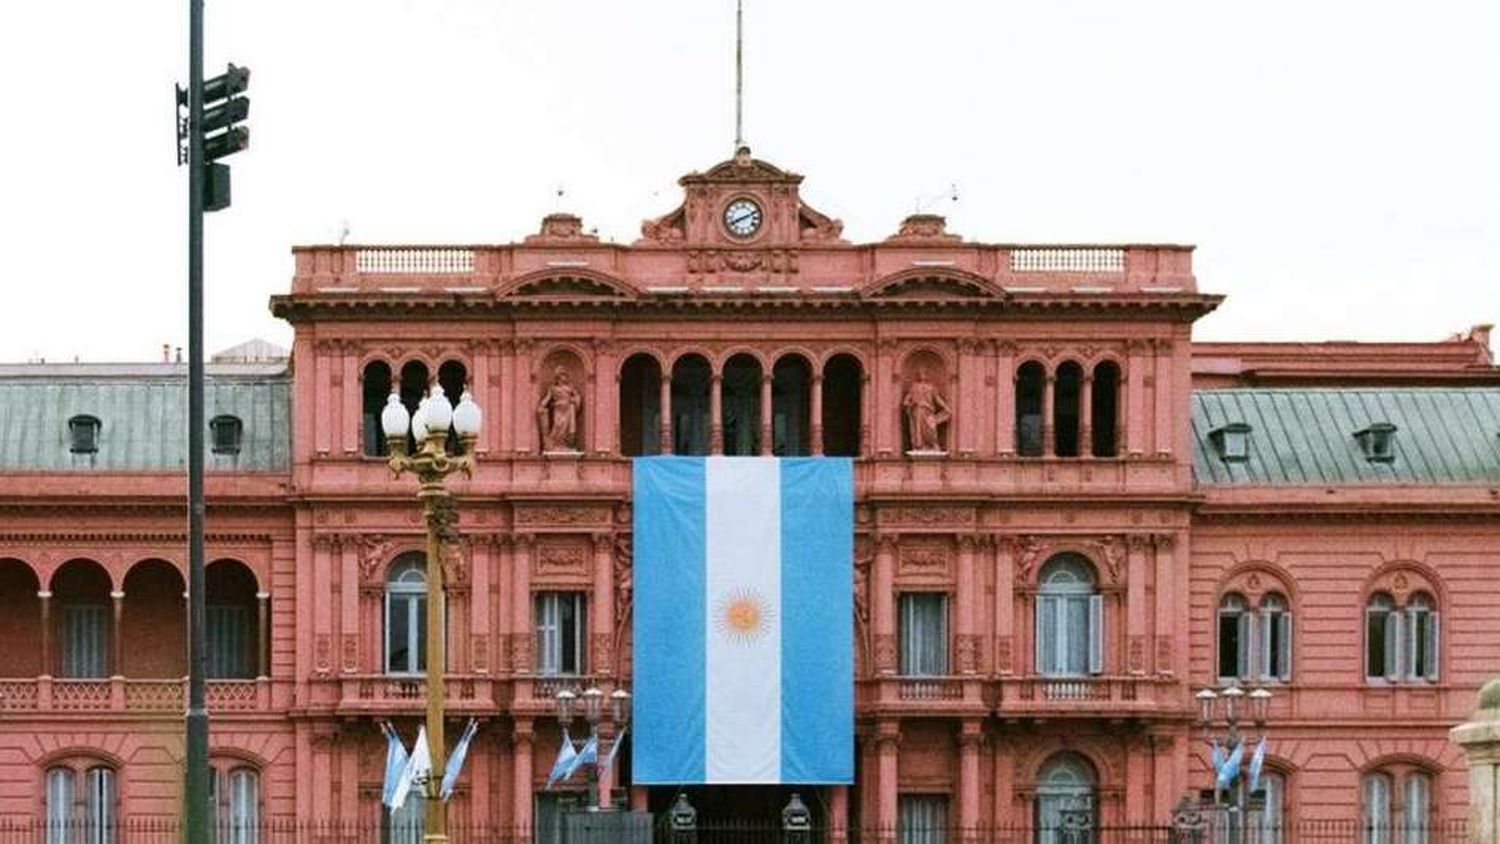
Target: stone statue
(926,413)
(557,413)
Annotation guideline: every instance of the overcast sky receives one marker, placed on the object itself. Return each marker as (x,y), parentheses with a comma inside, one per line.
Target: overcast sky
(1335,162)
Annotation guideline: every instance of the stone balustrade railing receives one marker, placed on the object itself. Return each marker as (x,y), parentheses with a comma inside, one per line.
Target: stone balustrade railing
(129,695)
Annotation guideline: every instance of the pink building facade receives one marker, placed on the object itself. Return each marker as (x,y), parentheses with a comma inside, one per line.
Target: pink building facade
(1103,518)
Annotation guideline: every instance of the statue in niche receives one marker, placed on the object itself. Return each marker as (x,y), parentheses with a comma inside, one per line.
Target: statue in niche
(926,413)
(557,413)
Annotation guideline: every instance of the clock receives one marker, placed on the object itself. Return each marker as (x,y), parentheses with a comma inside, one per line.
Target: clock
(742,217)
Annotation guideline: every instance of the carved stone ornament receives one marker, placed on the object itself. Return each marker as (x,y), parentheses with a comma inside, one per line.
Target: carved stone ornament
(1029,551)
(560,560)
(1111,550)
(924,227)
(946,516)
(665,229)
(374,550)
(968,653)
(561,516)
(927,414)
(885,653)
(561,227)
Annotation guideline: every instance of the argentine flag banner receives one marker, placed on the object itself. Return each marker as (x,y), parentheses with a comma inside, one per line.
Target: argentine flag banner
(744,642)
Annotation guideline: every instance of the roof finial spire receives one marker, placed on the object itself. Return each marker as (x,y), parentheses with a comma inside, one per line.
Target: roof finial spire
(739,74)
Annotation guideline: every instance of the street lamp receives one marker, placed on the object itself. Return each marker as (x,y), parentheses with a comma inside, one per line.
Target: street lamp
(592,701)
(1235,705)
(432,464)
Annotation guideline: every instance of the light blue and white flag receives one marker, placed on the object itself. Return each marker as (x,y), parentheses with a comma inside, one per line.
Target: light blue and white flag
(395,762)
(1257,762)
(614,750)
(456,761)
(744,643)
(564,764)
(418,769)
(1230,770)
(589,755)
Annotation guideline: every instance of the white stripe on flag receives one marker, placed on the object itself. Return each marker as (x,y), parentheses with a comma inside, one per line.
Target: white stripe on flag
(743,630)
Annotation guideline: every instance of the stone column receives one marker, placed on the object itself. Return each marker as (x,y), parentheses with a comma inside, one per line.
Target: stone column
(815,424)
(716,413)
(520,748)
(1480,739)
(605,399)
(1005,604)
(970,737)
(1134,411)
(263,633)
(887,783)
(838,814)
(882,604)
(520,619)
(604,605)
(116,638)
(967,599)
(1005,398)
(1134,548)
(1163,426)
(866,412)
(1049,400)
(1086,415)
(45,598)
(765,414)
(665,406)
(524,400)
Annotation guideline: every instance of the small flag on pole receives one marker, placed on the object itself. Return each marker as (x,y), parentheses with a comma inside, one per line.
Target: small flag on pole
(614,750)
(418,768)
(395,762)
(562,768)
(589,755)
(1257,762)
(456,761)
(1230,770)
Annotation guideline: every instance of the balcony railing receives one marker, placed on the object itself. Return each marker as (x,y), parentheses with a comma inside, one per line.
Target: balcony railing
(122,694)
(398,693)
(1064,694)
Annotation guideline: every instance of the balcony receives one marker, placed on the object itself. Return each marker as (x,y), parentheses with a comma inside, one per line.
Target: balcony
(948,695)
(388,694)
(1100,696)
(47,695)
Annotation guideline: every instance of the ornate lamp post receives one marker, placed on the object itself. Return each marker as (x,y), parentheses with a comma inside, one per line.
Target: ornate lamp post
(591,701)
(1235,705)
(432,465)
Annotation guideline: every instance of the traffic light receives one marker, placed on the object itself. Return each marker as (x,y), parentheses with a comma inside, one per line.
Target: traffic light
(223,109)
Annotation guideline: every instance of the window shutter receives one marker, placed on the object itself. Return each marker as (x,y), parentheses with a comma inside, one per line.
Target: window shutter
(1046,630)
(1096,634)
(1393,645)
(1284,644)
(1432,646)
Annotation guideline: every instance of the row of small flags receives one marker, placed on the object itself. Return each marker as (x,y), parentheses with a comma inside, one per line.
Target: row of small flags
(1227,764)
(404,770)
(569,760)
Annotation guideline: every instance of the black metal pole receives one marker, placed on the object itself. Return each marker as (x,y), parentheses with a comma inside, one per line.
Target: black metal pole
(196,793)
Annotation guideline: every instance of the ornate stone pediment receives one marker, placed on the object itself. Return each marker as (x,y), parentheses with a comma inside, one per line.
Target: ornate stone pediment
(561,228)
(571,283)
(742,168)
(932,283)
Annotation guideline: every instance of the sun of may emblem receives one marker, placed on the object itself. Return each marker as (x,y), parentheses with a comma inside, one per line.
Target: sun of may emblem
(742,616)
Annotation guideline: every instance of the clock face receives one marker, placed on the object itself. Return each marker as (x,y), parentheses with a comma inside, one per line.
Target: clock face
(742,217)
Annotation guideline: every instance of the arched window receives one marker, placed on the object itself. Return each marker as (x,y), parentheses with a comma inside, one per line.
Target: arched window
(1065,412)
(82,592)
(20,619)
(1376,791)
(377,386)
(228,432)
(1069,619)
(88,817)
(414,386)
(690,388)
(1401,642)
(406,615)
(1105,409)
(235,795)
(1416,811)
(1031,382)
(739,413)
(1397,805)
(1254,645)
(1269,826)
(1065,805)
(843,379)
(791,407)
(640,406)
(154,621)
(231,621)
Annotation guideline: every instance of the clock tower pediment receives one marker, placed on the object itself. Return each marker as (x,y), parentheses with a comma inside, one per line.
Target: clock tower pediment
(741,202)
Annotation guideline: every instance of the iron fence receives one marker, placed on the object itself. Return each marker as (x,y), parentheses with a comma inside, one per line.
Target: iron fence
(164,830)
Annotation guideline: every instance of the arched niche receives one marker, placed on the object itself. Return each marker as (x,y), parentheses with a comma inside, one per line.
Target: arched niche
(926,415)
(561,398)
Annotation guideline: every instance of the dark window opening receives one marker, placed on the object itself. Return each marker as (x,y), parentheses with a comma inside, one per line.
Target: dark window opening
(690,385)
(377,387)
(791,407)
(1106,409)
(1232,442)
(1069,389)
(83,434)
(453,377)
(739,406)
(842,381)
(228,431)
(640,406)
(414,381)
(1031,380)
(1378,442)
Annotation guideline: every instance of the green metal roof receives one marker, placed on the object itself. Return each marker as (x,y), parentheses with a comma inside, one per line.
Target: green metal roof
(143,423)
(1306,436)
